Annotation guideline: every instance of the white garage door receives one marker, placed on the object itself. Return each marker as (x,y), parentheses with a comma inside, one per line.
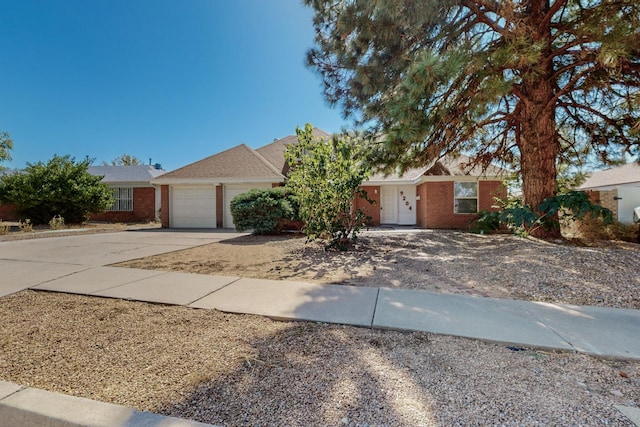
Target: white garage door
(193,207)
(231,191)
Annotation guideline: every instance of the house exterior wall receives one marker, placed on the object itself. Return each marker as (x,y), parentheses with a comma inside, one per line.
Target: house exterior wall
(606,199)
(219,206)
(7,213)
(436,206)
(164,206)
(144,200)
(372,210)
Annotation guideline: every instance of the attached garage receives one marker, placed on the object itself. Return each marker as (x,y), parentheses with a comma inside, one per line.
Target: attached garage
(193,206)
(231,191)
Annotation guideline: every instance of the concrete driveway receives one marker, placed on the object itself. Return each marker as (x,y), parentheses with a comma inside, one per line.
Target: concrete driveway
(27,263)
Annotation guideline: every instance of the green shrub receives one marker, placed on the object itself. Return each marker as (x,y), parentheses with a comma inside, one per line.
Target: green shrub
(263,210)
(522,220)
(59,187)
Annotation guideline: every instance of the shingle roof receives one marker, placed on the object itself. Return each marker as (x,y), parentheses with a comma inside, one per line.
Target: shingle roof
(239,162)
(623,174)
(446,166)
(134,173)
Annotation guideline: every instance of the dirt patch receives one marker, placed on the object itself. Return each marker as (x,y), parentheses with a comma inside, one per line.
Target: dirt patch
(500,266)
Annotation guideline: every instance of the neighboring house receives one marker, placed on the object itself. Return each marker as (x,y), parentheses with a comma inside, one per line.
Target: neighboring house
(441,195)
(136,199)
(617,189)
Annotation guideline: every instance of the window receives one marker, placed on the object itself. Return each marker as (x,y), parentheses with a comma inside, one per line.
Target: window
(123,199)
(465,197)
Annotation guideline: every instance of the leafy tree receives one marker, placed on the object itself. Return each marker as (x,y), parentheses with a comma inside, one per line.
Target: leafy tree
(527,82)
(124,160)
(263,210)
(61,187)
(6,145)
(325,176)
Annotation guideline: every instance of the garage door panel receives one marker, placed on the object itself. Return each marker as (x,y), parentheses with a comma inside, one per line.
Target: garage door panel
(193,207)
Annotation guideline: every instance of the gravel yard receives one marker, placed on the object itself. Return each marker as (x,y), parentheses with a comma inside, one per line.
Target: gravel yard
(240,370)
(500,266)
(236,370)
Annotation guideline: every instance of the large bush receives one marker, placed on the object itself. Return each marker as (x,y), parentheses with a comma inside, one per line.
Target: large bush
(264,210)
(61,187)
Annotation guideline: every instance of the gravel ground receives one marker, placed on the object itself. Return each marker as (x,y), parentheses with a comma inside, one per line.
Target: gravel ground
(236,370)
(500,266)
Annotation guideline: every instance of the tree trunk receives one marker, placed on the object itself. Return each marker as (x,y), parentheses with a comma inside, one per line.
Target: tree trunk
(539,150)
(538,141)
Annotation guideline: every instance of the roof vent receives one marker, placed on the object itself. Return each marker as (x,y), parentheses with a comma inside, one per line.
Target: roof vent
(157,166)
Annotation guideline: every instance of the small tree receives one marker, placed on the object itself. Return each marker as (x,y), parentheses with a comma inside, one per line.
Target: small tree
(326,176)
(124,160)
(263,210)
(6,145)
(59,187)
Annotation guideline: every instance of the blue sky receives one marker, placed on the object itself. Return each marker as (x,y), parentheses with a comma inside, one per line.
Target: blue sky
(170,80)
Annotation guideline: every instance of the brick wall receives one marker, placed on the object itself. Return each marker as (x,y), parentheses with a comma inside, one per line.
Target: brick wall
(7,213)
(144,199)
(373,210)
(606,199)
(435,208)
(219,206)
(164,206)
(489,191)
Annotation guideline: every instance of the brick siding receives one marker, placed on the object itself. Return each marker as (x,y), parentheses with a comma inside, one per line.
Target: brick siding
(373,210)
(7,213)
(219,206)
(144,208)
(435,208)
(164,206)
(606,199)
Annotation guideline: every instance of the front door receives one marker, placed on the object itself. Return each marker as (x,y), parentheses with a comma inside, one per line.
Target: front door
(406,205)
(388,204)
(398,204)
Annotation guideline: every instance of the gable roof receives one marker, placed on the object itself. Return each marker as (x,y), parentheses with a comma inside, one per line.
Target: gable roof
(623,174)
(120,174)
(445,166)
(238,163)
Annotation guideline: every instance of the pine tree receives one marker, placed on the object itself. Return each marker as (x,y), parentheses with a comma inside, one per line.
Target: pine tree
(520,82)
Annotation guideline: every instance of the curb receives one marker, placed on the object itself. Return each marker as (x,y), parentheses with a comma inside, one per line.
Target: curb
(26,406)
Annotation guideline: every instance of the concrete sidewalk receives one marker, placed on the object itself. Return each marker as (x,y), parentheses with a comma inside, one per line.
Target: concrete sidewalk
(594,330)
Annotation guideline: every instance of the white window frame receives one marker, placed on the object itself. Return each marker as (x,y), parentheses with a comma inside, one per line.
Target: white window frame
(123,199)
(458,195)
